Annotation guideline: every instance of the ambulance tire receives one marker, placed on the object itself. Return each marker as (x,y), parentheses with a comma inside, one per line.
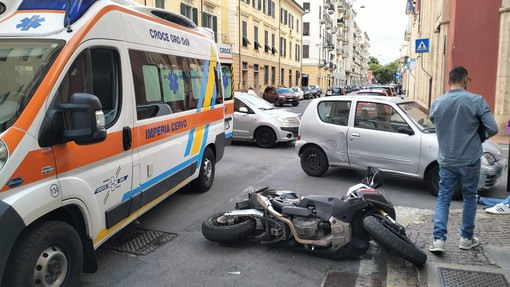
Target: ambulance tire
(206,176)
(46,254)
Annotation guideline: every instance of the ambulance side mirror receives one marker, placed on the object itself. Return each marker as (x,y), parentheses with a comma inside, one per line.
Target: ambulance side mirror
(87,119)
(81,120)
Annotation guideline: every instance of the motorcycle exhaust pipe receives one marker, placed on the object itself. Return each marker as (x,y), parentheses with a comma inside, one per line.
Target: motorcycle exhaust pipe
(325,241)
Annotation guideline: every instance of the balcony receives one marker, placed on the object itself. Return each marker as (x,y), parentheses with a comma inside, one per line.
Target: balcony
(340,8)
(322,21)
(331,11)
(340,23)
(339,51)
(347,15)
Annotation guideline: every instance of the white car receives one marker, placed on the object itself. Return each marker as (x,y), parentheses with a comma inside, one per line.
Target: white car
(390,133)
(255,119)
(299,93)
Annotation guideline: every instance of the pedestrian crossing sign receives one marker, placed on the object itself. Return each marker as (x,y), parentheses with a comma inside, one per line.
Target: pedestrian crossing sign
(422,45)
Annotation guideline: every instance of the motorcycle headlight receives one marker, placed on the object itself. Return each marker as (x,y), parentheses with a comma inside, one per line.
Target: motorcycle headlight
(488,159)
(4,154)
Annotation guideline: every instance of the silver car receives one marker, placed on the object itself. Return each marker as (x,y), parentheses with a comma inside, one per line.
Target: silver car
(390,133)
(257,120)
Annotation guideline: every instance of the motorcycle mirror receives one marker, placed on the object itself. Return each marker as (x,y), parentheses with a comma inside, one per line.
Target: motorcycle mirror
(374,177)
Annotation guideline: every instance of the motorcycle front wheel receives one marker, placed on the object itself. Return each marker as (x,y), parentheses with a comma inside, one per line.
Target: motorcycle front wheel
(397,243)
(223,229)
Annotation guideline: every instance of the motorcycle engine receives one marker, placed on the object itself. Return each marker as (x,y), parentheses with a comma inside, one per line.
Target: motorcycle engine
(306,227)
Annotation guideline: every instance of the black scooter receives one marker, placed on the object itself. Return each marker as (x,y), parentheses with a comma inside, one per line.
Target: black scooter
(325,226)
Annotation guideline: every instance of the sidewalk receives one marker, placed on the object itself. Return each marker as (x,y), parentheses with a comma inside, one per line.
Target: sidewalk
(485,265)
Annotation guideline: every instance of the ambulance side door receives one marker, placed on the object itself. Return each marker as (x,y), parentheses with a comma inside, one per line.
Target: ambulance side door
(100,174)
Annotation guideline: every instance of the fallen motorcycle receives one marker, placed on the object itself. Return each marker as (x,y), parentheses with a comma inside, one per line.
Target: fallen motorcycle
(325,226)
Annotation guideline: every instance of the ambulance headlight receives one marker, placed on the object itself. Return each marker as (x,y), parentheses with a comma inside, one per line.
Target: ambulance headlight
(4,154)
(2,8)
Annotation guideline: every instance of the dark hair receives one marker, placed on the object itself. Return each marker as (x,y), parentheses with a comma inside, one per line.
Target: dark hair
(457,74)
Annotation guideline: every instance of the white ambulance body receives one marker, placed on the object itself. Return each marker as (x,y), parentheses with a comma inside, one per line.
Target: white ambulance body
(226,58)
(106,108)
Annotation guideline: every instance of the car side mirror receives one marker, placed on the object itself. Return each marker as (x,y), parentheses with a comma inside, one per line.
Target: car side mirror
(406,130)
(243,110)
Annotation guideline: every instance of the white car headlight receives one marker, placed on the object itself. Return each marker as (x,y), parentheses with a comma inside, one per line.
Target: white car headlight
(488,159)
(4,154)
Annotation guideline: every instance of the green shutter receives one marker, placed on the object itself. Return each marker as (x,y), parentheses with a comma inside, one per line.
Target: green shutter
(195,16)
(204,19)
(183,9)
(215,28)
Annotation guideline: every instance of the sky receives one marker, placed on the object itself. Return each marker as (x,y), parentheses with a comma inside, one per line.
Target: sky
(385,22)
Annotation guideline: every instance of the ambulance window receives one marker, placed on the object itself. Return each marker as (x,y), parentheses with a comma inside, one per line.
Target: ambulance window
(95,71)
(106,83)
(151,80)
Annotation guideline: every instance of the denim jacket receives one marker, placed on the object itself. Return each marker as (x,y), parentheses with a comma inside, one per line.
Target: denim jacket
(455,116)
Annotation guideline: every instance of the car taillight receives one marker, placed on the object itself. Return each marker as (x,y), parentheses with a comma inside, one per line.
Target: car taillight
(298,137)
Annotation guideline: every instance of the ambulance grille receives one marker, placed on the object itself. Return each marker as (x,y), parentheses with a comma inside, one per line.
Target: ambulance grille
(138,241)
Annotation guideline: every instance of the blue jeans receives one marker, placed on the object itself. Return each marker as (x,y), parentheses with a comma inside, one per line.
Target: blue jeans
(468,176)
(489,201)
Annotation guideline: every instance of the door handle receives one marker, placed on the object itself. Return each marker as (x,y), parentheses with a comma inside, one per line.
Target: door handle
(354,135)
(126,138)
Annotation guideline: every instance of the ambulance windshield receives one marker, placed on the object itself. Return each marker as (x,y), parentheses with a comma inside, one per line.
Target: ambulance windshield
(23,65)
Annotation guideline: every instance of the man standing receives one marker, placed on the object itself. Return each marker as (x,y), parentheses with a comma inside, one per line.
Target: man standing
(457,115)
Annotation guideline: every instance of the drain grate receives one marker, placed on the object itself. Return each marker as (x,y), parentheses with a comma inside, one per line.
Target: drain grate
(461,278)
(138,241)
(339,279)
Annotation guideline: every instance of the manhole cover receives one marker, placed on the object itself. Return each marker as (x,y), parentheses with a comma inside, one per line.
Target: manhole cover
(339,279)
(461,278)
(138,241)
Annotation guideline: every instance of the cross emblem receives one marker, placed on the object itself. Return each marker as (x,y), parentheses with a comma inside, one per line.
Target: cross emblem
(28,23)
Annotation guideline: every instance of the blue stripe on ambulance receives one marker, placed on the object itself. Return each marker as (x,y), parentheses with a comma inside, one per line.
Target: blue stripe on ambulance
(205,77)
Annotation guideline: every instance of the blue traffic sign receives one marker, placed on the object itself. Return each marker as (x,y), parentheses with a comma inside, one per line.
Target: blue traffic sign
(422,45)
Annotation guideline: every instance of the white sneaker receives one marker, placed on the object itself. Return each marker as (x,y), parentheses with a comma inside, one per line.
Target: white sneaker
(467,244)
(437,246)
(499,208)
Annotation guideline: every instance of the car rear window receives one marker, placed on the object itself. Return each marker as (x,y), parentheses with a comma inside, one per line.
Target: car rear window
(334,112)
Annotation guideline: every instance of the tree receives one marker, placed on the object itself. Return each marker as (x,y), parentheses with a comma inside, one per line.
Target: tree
(383,74)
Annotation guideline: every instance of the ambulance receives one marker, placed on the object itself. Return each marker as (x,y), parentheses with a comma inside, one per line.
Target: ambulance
(106,108)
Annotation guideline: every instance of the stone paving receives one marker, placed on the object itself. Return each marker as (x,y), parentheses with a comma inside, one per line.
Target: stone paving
(492,255)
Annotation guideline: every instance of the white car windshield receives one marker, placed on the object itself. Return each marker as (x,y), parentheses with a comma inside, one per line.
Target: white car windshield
(419,115)
(23,65)
(256,103)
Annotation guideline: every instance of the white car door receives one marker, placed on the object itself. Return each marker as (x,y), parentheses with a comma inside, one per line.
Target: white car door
(243,120)
(380,137)
(331,134)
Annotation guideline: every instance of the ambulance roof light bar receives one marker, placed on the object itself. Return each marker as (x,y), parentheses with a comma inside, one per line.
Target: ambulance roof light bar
(74,9)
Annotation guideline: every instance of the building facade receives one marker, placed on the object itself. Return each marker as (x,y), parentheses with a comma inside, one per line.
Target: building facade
(283,42)
(466,33)
(335,50)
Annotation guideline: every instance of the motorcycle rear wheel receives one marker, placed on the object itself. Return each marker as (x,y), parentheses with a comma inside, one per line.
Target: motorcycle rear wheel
(393,241)
(216,228)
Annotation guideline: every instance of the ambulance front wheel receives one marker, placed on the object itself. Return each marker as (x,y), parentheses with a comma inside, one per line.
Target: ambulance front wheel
(207,168)
(47,254)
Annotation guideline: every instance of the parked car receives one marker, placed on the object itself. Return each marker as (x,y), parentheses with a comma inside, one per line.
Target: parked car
(347,89)
(316,90)
(280,96)
(299,93)
(257,120)
(390,133)
(373,92)
(307,93)
(335,91)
